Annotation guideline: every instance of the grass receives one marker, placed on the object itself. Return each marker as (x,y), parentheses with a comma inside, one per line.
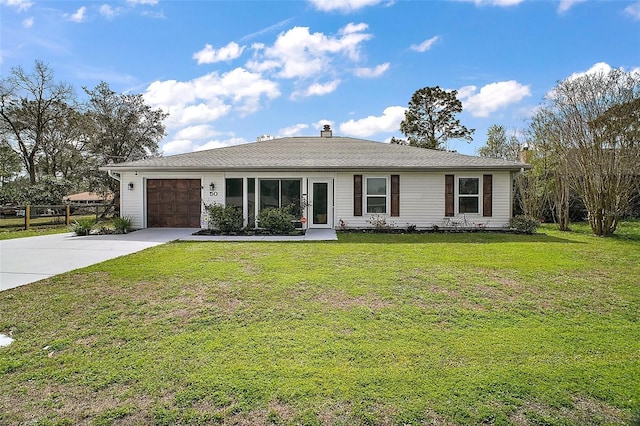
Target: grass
(373,329)
(14,227)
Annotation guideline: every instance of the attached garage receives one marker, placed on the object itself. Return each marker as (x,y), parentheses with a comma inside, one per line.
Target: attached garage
(173,203)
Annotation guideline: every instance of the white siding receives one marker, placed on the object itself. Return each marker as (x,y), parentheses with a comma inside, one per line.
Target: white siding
(133,202)
(422,200)
(421,195)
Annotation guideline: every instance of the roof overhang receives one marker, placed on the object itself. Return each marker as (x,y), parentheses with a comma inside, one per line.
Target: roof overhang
(115,168)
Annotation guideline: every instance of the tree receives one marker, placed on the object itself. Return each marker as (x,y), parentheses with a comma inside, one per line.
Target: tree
(123,128)
(430,119)
(29,104)
(63,152)
(396,141)
(499,145)
(592,122)
(547,183)
(10,164)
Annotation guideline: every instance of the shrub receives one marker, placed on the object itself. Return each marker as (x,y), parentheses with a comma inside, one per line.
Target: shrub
(122,225)
(276,221)
(83,225)
(380,223)
(524,224)
(225,218)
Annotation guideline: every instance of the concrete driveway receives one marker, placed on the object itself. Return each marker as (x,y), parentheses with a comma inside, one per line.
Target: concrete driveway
(25,260)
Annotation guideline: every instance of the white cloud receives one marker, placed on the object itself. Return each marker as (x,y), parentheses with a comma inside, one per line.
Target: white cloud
(181,146)
(372,72)
(299,54)
(321,123)
(201,113)
(292,130)
(389,121)
(565,5)
(220,144)
(500,3)
(134,2)
(343,5)
(28,23)
(170,93)
(202,131)
(425,45)
(209,55)
(598,68)
(492,97)
(107,11)
(21,5)
(239,86)
(210,97)
(317,89)
(80,15)
(633,10)
(177,147)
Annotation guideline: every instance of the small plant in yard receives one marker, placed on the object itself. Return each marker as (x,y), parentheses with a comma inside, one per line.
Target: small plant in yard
(225,218)
(380,223)
(122,225)
(276,221)
(524,224)
(83,225)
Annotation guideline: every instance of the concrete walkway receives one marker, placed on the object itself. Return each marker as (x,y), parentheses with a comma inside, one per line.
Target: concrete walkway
(25,260)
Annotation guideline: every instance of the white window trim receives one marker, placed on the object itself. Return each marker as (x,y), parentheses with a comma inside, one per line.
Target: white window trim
(458,195)
(387,195)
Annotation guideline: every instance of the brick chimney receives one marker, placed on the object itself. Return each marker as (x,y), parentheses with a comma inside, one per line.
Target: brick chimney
(326,131)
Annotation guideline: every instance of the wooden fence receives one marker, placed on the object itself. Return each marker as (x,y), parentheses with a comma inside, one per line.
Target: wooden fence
(49,215)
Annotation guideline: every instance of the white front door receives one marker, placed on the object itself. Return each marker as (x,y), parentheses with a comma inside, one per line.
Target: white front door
(320,203)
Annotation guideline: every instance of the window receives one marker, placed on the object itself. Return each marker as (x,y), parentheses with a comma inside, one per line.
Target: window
(280,193)
(468,195)
(233,192)
(376,195)
(251,202)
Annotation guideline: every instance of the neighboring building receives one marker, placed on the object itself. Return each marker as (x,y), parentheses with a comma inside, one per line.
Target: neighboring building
(338,181)
(88,198)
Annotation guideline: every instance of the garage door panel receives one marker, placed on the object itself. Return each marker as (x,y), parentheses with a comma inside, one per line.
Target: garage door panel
(173,203)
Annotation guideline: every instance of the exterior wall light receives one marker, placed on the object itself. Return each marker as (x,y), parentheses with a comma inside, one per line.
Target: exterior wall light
(130,186)
(212,186)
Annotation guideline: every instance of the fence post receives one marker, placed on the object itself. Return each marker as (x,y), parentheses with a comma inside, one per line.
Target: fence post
(67,215)
(27,217)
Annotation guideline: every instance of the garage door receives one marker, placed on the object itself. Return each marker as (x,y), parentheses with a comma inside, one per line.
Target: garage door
(173,203)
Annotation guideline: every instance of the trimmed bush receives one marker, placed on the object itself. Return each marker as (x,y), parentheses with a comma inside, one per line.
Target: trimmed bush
(524,224)
(276,221)
(225,218)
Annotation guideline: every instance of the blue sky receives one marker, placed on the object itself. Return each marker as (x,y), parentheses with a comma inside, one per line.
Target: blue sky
(229,71)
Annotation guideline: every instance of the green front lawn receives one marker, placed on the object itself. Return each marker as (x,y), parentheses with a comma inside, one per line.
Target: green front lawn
(373,329)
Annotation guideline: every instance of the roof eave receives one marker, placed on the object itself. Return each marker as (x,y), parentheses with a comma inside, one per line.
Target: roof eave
(514,167)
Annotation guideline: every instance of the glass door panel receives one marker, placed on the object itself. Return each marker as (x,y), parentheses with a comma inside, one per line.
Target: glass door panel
(319,203)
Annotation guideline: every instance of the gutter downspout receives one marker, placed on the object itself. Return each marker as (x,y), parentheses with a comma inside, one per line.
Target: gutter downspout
(113,174)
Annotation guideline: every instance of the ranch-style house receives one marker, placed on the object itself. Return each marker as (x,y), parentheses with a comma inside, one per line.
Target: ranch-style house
(337,182)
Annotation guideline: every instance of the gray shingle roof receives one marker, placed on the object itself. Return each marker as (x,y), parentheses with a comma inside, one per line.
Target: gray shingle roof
(317,153)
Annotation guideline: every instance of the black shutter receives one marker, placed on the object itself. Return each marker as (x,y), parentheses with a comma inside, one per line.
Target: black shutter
(449,209)
(357,195)
(487,191)
(395,195)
